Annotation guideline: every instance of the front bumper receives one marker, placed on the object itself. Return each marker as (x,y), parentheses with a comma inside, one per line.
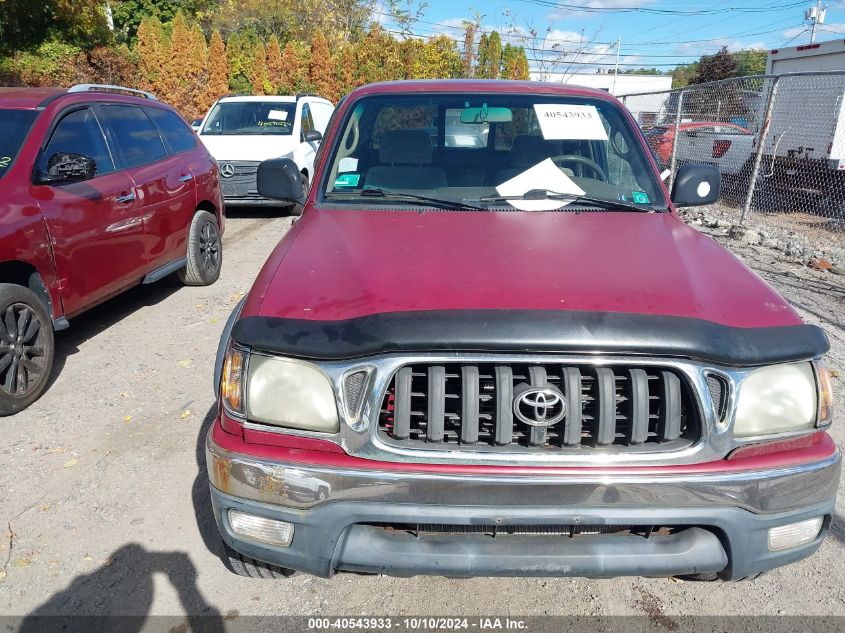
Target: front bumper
(725,518)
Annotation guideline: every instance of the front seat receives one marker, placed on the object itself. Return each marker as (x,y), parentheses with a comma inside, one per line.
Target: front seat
(405,157)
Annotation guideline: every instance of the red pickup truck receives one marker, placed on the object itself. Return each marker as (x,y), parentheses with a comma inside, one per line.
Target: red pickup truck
(101,188)
(511,357)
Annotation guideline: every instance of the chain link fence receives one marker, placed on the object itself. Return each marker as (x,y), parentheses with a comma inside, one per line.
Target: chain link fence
(778,141)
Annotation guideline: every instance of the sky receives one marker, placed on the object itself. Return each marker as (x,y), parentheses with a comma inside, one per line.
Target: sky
(659,33)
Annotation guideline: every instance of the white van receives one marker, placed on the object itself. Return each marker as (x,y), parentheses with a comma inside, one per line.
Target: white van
(242,131)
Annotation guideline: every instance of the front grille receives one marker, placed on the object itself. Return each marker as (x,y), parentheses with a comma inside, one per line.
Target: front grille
(570,530)
(242,167)
(472,407)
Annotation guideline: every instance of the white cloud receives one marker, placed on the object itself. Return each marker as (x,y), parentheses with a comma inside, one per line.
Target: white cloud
(712,46)
(835,28)
(562,14)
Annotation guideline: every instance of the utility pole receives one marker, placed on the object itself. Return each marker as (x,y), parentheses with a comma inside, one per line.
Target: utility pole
(816,16)
(616,69)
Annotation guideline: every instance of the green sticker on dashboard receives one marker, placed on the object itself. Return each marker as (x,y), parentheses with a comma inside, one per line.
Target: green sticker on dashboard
(347,180)
(639,197)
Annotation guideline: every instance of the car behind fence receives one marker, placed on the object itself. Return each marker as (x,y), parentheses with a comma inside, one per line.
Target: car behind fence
(778,140)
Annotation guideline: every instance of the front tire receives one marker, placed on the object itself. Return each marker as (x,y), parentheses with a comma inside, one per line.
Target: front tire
(242,565)
(205,251)
(26,348)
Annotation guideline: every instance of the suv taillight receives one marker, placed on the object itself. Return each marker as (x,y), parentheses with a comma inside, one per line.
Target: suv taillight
(720,147)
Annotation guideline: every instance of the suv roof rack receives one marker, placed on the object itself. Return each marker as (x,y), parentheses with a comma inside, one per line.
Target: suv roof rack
(299,95)
(110,88)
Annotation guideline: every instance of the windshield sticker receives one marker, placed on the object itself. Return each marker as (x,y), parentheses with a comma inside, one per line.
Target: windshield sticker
(545,176)
(277,115)
(639,197)
(347,163)
(570,122)
(347,180)
(5,161)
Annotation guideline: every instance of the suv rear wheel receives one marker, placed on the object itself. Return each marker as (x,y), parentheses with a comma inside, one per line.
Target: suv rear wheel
(251,568)
(205,251)
(26,348)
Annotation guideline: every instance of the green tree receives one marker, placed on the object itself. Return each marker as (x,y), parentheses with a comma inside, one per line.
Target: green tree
(750,62)
(716,67)
(127,15)
(489,56)
(25,24)
(515,63)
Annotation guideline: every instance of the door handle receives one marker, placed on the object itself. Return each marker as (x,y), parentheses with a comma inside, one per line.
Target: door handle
(186,178)
(127,197)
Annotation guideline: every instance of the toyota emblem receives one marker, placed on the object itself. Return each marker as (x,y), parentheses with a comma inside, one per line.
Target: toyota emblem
(539,406)
(227,170)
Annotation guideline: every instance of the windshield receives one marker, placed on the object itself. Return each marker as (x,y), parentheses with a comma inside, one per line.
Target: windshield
(15,125)
(250,117)
(492,151)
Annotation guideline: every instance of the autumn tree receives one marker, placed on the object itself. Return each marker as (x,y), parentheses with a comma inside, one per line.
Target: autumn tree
(150,49)
(274,65)
(176,83)
(468,55)
(438,59)
(321,67)
(345,69)
(293,69)
(218,71)
(258,69)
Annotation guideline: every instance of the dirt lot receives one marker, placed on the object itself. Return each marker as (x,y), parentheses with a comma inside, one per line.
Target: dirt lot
(105,498)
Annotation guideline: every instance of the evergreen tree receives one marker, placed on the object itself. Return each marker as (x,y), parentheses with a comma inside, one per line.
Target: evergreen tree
(150,49)
(218,71)
(274,65)
(258,69)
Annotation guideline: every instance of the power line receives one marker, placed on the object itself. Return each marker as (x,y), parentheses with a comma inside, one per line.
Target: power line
(662,11)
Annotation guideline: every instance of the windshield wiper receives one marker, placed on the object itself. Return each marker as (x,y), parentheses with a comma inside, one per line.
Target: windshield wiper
(543,194)
(375,192)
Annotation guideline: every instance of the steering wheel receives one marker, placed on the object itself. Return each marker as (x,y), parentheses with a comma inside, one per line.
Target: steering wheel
(581,160)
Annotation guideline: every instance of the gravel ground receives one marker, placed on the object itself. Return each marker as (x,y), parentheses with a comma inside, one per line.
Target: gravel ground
(105,499)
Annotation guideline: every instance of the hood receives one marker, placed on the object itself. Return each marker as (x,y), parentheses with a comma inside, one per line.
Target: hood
(255,147)
(349,263)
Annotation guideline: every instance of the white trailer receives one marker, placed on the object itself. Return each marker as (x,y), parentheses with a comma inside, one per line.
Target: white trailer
(808,115)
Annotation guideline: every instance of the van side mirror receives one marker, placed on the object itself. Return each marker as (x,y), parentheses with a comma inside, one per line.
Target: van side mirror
(64,167)
(311,136)
(695,185)
(279,179)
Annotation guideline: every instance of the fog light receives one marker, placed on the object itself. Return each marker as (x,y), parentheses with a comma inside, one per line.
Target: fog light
(794,534)
(261,528)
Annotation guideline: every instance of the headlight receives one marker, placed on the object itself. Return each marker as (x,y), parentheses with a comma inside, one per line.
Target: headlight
(290,393)
(777,399)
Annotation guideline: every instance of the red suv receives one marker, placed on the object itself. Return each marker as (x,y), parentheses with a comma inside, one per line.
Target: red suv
(511,357)
(101,188)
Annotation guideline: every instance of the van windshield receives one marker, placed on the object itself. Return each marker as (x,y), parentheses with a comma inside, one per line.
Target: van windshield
(250,117)
(489,151)
(15,125)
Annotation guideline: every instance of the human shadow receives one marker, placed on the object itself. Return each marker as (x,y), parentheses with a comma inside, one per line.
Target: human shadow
(200,495)
(119,594)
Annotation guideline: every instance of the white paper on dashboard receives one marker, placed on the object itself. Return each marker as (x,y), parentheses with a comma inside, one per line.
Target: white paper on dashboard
(277,115)
(546,176)
(560,121)
(347,163)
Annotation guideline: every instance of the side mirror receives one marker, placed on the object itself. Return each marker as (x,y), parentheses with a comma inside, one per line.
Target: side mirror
(279,179)
(695,185)
(64,167)
(312,135)
(196,124)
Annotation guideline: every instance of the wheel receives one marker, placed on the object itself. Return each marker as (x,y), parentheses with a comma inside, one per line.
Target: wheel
(26,348)
(242,565)
(205,253)
(297,209)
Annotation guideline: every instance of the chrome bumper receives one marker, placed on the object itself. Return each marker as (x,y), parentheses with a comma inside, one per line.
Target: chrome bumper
(724,518)
(299,486)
